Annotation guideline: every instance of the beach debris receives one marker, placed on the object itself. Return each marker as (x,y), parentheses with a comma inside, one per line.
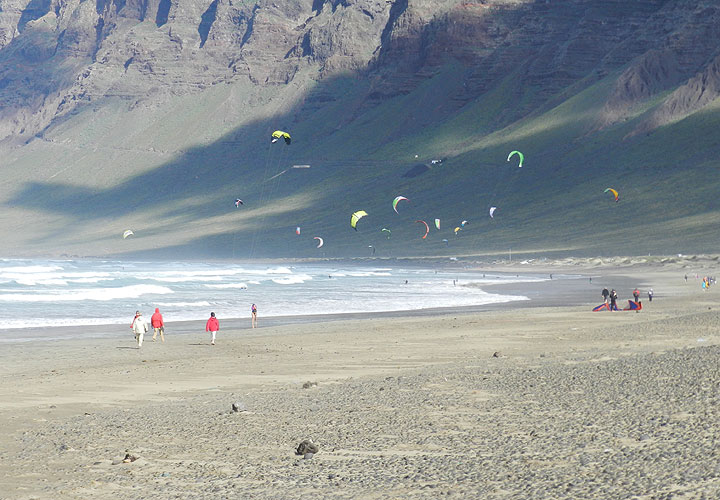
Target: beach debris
(306,447)
(125,460)
(239,406)
(308,456)
(308,385)
(497,354)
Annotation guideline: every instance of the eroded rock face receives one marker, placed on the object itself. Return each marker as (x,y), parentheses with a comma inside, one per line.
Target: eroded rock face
(56,55)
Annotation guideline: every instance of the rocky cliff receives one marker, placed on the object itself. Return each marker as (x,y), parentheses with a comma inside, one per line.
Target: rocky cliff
(57,55)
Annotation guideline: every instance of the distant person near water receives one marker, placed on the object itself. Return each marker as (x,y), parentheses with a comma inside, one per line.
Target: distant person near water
(650,294)
(605,294)
(253,316)
(212,326)
(158,326)
(613,300)
(139,327)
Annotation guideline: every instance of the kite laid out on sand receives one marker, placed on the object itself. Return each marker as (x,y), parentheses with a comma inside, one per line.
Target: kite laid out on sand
(127,233)
(520,155)
(614,193)
(355,217)
(632,306)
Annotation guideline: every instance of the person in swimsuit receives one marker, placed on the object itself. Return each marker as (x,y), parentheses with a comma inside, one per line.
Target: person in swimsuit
(253,316)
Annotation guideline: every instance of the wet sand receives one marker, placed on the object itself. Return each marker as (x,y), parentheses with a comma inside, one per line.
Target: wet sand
(530,400)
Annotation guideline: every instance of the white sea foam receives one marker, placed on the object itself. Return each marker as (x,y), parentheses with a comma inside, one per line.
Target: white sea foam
(292,280)
(229,285)
(37,293)
(98,294)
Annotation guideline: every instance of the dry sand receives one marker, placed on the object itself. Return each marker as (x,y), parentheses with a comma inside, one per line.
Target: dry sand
(518,402)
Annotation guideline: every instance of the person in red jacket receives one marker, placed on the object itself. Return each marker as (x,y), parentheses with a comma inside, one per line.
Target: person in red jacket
(212,326)
(158,326)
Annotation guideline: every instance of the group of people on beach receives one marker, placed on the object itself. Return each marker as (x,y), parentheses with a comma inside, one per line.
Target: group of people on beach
(612,297)
(212,325)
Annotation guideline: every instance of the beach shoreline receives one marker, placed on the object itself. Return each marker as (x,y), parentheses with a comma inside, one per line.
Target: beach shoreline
(452,403)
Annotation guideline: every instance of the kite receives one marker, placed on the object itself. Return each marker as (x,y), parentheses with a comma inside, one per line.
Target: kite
(355,217)
(386,230)
(320,241)
(492,211)
(279,134)
(615,194)
(238,202)
(447,243)
(437,224)
(457,230)
(297,230)
(427,228)
(463,223)
(127,233)
(520,155)
(396,201)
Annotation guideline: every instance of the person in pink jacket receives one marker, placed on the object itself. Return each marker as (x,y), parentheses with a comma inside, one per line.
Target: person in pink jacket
(212,326)
(158,326)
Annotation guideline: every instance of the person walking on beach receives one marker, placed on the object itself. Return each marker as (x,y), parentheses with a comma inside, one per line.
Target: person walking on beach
(613,300)
(605,294)
(158,326)
(253,316)
(636,295)
(139,327)
(212,326)
(650,294)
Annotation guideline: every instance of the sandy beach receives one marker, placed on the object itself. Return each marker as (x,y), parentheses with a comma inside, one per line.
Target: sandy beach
(533,399)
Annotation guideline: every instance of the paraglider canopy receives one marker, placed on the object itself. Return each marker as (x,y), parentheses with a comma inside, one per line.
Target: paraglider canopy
(520,155)
(355,217)
(279,134)
(614,193)
(127,233)
(396,201)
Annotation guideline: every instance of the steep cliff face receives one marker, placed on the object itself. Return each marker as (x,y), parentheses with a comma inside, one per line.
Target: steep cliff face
(57,54)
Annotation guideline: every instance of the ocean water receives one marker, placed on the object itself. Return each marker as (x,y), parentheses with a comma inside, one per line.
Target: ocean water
(46,293)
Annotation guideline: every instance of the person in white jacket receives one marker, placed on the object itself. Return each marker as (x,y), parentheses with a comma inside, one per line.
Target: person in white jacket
(139,327)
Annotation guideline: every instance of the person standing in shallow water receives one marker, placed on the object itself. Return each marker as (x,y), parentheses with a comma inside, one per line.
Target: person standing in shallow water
(253,316)
(212,326)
